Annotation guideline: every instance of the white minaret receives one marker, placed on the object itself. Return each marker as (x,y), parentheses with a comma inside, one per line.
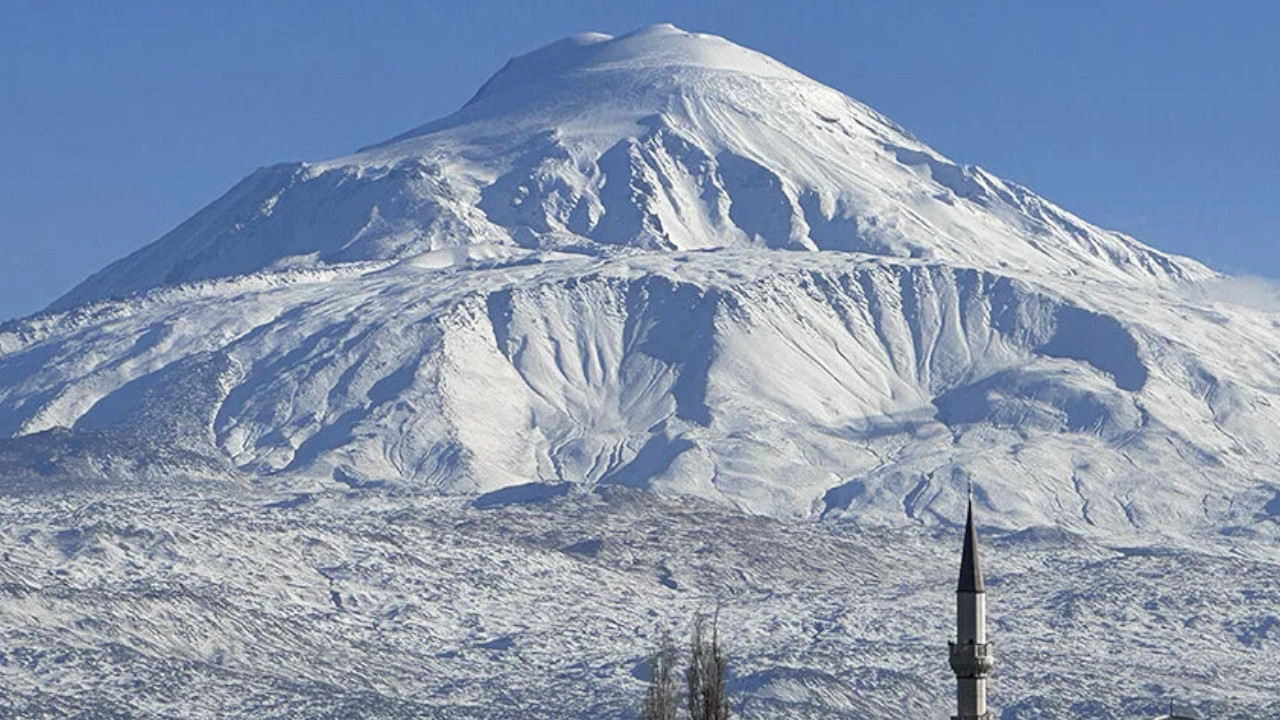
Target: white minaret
(971,653)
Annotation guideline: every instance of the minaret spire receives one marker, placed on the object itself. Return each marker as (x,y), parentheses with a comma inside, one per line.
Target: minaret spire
(970,568)
(971,653)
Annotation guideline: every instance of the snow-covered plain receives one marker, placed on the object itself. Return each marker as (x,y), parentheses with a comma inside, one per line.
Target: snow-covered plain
(459,422)
(209,603)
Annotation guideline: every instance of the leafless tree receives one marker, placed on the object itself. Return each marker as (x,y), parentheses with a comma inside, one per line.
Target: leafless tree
(705,676)
(660,702)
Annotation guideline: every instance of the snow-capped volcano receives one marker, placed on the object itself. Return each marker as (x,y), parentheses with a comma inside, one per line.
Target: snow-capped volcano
(511,295)
(667,261)
(283,462)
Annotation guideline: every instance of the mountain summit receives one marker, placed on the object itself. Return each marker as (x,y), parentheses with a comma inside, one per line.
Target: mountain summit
(658,140)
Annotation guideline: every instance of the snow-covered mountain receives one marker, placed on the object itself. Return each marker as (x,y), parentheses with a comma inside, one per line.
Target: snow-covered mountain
(665,262)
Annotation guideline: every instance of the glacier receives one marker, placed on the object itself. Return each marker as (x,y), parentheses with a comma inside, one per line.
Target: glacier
(456,425)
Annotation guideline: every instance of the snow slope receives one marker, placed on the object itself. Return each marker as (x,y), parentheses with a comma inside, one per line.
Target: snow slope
(659,262)
(787,384)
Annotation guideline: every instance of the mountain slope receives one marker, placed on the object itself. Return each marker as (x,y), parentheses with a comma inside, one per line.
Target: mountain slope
(786,384)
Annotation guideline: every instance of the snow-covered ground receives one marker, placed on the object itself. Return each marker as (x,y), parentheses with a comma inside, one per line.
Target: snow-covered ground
(214,603)
(461,420)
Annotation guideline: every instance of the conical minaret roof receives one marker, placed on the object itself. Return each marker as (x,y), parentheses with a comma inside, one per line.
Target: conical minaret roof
(970,570)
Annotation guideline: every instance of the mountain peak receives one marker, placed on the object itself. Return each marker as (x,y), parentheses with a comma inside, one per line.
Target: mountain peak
(639,71)
(662,47)
(656,140)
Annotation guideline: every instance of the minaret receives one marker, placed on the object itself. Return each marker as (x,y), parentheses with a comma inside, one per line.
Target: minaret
(971,653)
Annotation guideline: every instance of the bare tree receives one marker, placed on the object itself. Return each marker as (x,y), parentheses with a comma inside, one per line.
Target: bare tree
(660,701)
(705,676)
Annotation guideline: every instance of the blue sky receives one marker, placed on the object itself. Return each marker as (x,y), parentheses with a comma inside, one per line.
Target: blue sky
(119,120)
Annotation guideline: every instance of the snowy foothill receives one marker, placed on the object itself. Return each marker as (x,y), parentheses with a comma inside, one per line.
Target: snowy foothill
(653,322)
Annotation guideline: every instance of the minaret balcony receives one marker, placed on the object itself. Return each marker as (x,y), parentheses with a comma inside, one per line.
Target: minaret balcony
(972,660)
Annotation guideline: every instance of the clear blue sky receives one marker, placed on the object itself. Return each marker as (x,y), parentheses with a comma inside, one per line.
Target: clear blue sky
(120,119)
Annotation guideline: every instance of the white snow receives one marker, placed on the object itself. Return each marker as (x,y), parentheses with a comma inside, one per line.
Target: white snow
(658,262)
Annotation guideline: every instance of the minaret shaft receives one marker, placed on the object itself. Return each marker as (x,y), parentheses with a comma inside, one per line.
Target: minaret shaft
(971,618)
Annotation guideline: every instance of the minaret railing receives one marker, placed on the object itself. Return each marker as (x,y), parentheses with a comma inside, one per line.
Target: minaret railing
(971,659)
